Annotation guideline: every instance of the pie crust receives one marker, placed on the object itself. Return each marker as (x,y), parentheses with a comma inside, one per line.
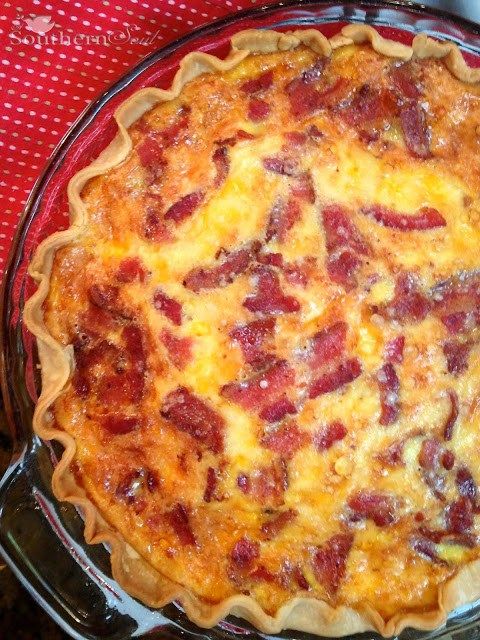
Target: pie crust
(131,571)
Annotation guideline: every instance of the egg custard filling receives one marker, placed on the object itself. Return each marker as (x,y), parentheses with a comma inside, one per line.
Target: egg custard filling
(273,321)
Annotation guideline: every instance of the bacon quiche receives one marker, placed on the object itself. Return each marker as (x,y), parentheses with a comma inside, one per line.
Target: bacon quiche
(259,338)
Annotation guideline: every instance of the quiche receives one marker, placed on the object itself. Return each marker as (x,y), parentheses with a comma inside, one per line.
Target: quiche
(259,337)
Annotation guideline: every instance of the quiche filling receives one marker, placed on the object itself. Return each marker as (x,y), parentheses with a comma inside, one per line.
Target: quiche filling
(275,320)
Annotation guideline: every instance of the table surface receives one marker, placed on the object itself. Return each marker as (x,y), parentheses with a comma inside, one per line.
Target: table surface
(54,64)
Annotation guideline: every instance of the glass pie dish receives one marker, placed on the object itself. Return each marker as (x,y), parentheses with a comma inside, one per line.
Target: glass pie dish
(41,539)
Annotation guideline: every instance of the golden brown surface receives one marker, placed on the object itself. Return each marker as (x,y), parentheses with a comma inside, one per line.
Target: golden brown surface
(365,523)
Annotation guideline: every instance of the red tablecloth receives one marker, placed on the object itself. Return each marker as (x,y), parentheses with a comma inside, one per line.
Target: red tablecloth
(57,56)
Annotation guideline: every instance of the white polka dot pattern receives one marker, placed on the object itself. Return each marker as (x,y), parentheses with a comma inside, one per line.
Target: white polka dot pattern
(57,56)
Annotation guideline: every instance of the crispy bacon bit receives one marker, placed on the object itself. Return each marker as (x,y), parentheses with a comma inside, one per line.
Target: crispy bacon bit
(262,574)
(299,273)
(258,110)
(192,415)
(150,153)
(394,350)
(343,374)
(466,485)
(266,484)
(344,243)
(283,165)
(269,297)
(221,161)
(452,416)
(328,435)
(448,460)
(457,322)
(408,303)
(272,527)
(327,344)
(286,439)
(251,337)
(425,548)
(179,520)
(104,296)
(257,391)
(278,410)
(329,561)
(459,516)
(294,139)
(244,553)
(154,226)
(459,294)
(234,263)
(429,459)
(403,82)
(393,455)
(302,187)
(118,424)
(212,480)
(425,219)
(131,269)
(305,99)
(179,349)
(314,133)
(378,507)
(283,216)
(457,353)
(368,104)
(415,130)
(184,207)
(170,308)
(135,483)
(260,83)
(389,386)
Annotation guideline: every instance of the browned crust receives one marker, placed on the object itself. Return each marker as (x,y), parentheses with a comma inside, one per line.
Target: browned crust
(131,571)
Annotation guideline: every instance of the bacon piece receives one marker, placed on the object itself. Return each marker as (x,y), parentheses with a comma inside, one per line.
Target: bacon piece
(458,296)
(456,354)
(178,518)
(262,574)
(328,344)
(269,298)
(234,263)
(329,561)
(272,527)
(185,207)
(150,153)
(221,161)
(254,393)
(409,304)
(466,485)
(283,165)
(130,270)
(328,435)
(170,308)
(212,480)
(302,187)
(457,322)
(104,296)
(251,337)
(294,139)
(425,548)
(179,349)
(135,483)
(299,273)
(260,83)
(118,424)
(342,268)
(459,516)
(154,227)
(389,386)
(415,130)
(403,81)
(238,137)
(244,553)
(258,110)
(367,104)
(394,350)
(429,459)
(191,414)
(314,133)
(448,460)
(305,98)
(286,439)
(452,416)
(378,507)
(343,374)
(393,455)
(266,484)
(277,410)
(283,216)
(425,219)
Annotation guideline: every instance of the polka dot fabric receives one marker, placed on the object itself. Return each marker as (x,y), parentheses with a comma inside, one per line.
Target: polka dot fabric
(57,56)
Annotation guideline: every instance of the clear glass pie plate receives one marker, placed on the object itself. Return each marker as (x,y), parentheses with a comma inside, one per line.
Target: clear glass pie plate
(41,539)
